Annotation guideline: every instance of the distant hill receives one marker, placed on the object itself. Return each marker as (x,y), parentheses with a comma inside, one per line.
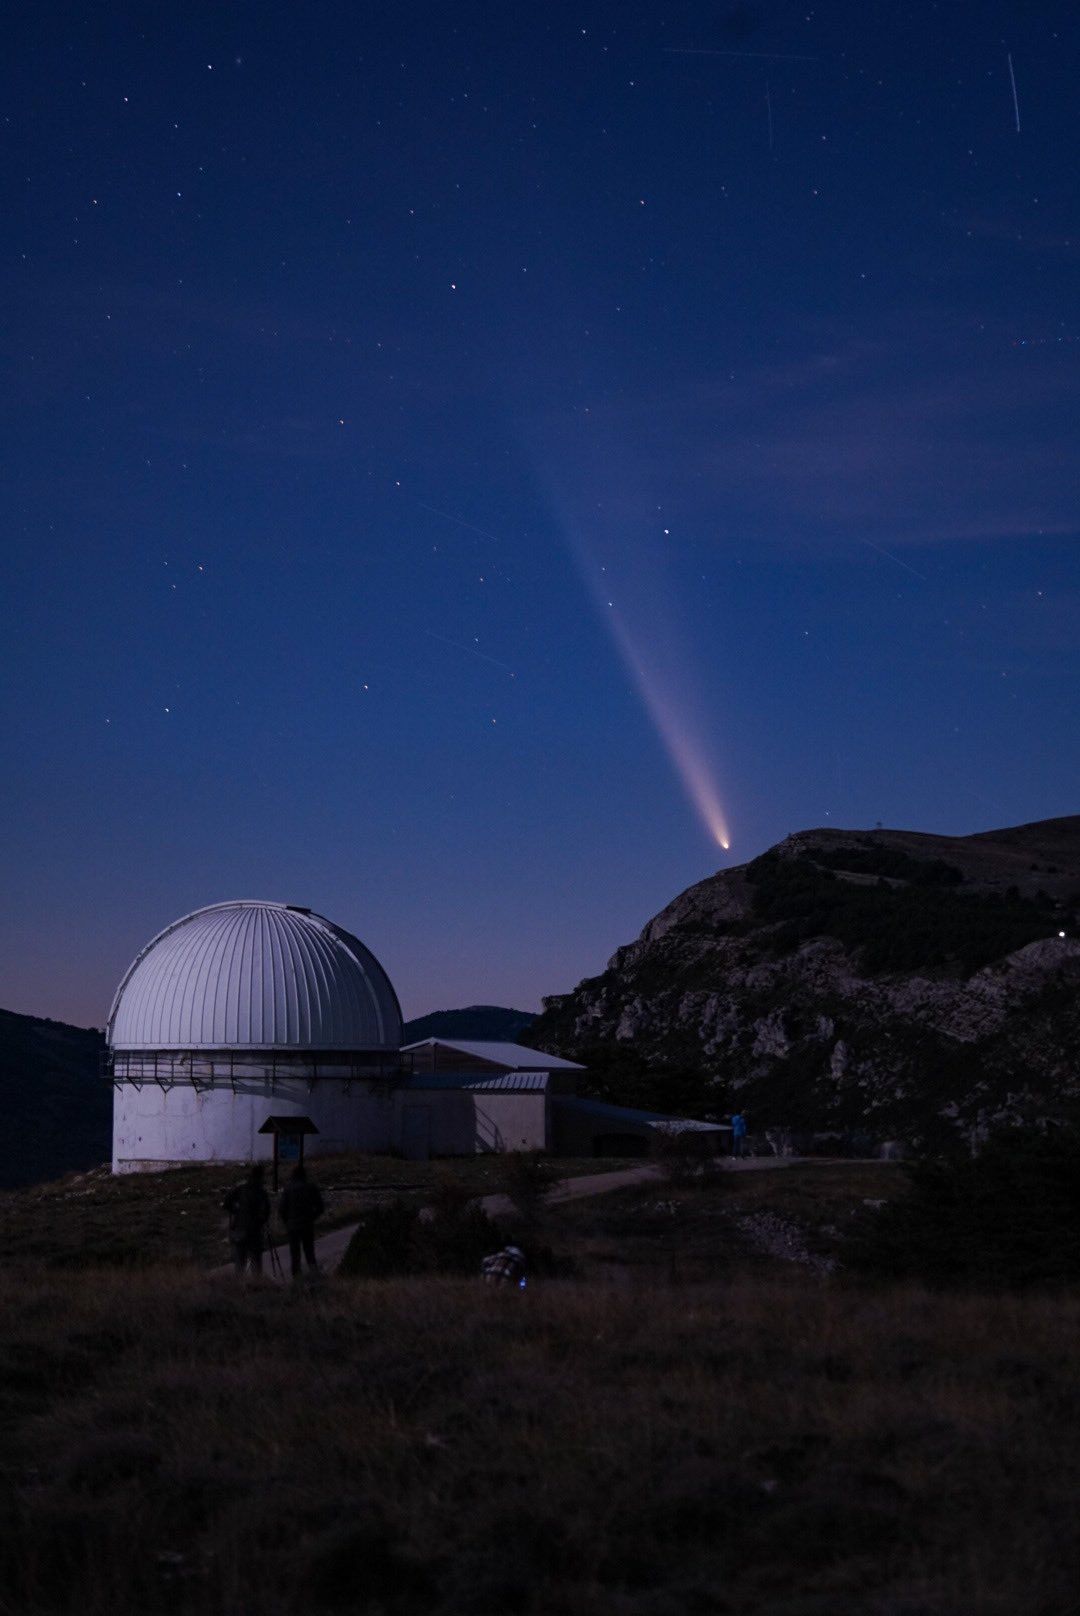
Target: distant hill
(882,981)
(488,1021)
(56,1109)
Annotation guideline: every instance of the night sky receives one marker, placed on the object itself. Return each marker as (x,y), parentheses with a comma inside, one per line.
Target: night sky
(462,462)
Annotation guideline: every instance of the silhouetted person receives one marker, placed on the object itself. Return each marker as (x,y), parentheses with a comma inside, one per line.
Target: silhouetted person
(248,1206)
(299,1206)
(738,1133)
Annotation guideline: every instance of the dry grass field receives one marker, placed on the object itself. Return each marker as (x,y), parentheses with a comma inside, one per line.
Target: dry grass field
(738,1224)
(722,1430)
(791,1446)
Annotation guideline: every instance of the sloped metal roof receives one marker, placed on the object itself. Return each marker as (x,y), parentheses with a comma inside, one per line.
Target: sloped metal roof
(515,1057)
(252,975)
(479,1082)
(648,1119)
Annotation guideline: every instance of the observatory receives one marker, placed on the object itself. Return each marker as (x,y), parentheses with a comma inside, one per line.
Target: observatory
(242,1011)
(247,1029)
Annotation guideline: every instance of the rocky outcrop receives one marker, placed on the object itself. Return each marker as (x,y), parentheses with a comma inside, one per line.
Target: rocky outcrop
(877,979)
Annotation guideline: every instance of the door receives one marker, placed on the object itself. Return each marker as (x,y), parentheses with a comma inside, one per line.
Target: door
(416,1133)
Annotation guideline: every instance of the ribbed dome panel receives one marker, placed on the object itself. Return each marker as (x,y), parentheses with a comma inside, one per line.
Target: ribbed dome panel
(255,976)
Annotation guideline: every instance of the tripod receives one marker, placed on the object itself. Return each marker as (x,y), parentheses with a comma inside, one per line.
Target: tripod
(275,1260)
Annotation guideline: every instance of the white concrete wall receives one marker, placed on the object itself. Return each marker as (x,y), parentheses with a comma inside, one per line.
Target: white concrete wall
(513,1121)
(154,1127)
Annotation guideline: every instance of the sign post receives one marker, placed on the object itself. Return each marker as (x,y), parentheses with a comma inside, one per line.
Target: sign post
(288,1134)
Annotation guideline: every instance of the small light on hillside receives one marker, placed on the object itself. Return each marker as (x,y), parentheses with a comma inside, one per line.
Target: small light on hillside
(1061,934)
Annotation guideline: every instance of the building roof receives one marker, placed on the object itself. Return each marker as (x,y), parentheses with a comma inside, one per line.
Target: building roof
(627,1114)
(252,975)
(480,1082)
(289,1125)
(515,1057)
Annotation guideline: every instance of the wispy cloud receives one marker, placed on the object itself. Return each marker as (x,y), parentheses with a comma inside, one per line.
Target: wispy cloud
(954,435)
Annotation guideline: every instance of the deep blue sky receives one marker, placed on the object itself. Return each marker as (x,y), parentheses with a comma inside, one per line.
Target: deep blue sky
(354,358)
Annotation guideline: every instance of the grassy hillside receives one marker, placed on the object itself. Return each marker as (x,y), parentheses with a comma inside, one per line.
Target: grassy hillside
(791,1447)
(57,1110)
(176,1217)
(902,916)
(739,1226)
(703,1415)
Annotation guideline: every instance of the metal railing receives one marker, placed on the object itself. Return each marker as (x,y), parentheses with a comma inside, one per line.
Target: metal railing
(208,1069)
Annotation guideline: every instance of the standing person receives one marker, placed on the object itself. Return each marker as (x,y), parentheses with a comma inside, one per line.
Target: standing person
(300,1204)
(248,1206)
(738,1133)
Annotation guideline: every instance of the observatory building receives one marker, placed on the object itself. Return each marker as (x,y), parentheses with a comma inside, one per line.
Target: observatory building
(245,1030)
(246,1012)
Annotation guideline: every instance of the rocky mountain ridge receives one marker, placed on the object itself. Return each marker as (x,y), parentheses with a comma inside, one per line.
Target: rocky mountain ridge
(889,981)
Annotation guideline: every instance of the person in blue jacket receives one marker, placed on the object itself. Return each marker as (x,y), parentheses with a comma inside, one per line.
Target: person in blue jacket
(738,1133)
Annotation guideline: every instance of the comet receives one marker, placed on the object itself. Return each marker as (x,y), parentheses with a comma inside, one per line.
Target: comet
(650,646)
(682,745)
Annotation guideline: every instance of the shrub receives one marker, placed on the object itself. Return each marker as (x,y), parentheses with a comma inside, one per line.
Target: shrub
(685,1155)
(382,1241)
(1008,1218)
(906,928)
(449,1236)
(875,859)
(527,1178)
(454,1241)
(448,1197)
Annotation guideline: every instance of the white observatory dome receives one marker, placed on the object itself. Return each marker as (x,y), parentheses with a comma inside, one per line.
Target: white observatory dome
(249,975)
